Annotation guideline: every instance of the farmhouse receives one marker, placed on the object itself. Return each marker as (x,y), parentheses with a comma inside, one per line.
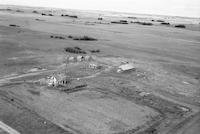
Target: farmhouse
(57,80)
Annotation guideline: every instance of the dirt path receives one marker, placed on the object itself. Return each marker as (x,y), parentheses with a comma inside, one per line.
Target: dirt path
(191,125)
(194,108)
(96,74)
(7,129)
(7,79)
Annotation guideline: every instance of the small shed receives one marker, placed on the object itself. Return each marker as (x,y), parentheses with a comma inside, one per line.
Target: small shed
(88,58)
(126,67)
(80,58)
(144,94)
(71,59)
(94,66)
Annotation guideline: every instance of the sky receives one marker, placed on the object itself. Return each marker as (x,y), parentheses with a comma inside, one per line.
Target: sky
(188,8)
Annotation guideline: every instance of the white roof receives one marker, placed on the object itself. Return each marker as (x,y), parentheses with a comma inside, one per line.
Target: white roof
(71,58)
(125,67)
(79,56)
(93,64)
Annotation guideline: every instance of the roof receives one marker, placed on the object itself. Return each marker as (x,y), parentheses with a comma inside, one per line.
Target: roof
(60,76)
(125,67)
(71,58)
(79,56)
(93,64)
(88,57)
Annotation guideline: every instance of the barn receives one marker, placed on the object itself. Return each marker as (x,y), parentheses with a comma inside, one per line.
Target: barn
(125,67)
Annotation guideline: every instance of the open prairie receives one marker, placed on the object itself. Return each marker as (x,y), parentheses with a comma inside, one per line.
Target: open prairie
(160,95)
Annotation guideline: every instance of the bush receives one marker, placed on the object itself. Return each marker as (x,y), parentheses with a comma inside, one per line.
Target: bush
(95,51)
(39,20)
(75,50)
(13,25)
(57,37)
(35,11)
(143,23)
(165,23)
(78,48)
(19,11)
(73,16)
(132,17)
(85,38)
(160,21)
(70,36)
(64,15)
(180,26)
(123,21)
(119,22)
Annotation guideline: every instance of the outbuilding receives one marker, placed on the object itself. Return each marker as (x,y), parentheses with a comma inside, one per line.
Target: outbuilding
(88,58)
(80,58)
(71,59)
(126,67)
(94,66)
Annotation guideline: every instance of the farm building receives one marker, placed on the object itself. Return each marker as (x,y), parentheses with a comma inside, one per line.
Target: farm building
(94,66)
(125,67)
(71,59)
(80,58)
(57,80)
(88,58)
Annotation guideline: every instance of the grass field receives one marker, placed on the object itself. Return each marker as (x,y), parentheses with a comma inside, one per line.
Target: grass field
(166,58)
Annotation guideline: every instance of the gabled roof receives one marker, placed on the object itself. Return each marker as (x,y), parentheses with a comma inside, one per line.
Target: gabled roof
(60,76)
(125,67)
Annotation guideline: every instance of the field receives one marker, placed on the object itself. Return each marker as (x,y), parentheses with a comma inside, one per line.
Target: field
(161,95)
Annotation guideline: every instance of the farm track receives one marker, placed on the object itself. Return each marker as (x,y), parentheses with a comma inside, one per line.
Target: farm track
(4,80)
(186,125)
(7,128)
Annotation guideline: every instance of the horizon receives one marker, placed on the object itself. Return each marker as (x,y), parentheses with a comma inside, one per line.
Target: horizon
(90,10)
(149,9)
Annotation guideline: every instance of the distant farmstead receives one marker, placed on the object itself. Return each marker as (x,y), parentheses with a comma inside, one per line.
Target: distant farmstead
(79,58)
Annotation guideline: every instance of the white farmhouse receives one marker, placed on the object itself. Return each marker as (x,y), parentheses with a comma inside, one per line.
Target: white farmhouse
(57,80)
(51,81)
